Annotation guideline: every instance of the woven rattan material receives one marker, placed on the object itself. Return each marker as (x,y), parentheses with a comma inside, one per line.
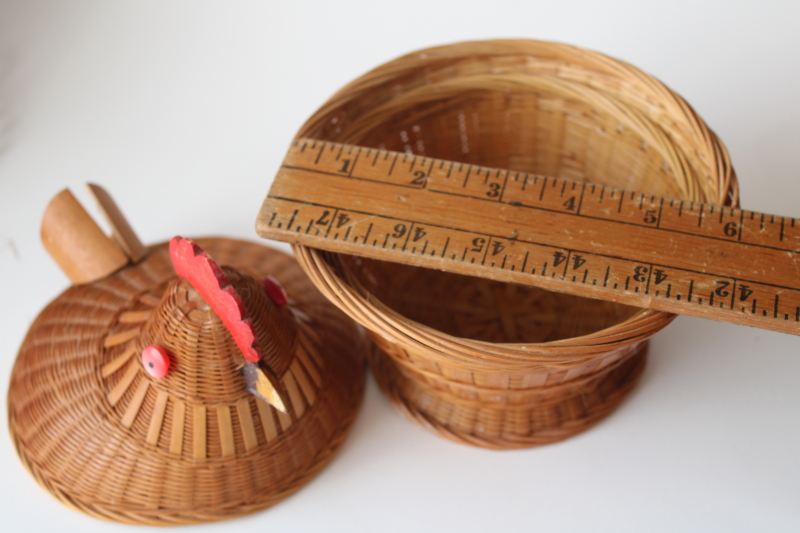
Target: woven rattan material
(104,437)
(481,362)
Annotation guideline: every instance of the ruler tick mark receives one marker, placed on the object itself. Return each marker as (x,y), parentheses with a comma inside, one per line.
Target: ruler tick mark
(321,149)
(291,220)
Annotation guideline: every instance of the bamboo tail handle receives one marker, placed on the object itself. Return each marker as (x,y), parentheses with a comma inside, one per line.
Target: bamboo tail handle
(121,231)
(78,245)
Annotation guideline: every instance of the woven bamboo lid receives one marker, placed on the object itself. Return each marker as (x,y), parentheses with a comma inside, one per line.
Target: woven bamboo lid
(106,437)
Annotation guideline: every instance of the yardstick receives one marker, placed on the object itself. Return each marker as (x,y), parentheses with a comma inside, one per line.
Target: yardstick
(685,257)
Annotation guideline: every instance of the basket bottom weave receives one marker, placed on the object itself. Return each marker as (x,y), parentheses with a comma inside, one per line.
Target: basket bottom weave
(507,426)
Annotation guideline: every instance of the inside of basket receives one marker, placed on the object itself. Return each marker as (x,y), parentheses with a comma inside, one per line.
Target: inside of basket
(525,131)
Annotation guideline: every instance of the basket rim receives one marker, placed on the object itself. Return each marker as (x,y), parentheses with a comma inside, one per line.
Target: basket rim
(341,287)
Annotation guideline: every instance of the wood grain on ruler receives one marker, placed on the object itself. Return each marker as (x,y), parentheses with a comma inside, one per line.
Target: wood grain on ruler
(685,257)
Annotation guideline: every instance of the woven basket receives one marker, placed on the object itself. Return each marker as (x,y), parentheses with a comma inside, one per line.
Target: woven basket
(107,439)
(478,361)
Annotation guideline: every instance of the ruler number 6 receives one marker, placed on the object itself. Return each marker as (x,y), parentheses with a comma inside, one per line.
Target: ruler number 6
(731,229)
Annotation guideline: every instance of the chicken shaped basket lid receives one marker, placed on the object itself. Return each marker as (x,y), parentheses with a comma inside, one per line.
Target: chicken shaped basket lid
(141,396)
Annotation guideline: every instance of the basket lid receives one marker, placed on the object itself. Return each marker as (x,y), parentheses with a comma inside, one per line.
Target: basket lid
(143,396)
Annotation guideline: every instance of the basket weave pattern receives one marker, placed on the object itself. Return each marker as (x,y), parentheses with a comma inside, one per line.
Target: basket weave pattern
(476,361)
(105,438)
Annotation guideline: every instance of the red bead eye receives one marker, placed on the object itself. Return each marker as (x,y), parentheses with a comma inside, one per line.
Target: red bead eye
(155,361)
(275,291)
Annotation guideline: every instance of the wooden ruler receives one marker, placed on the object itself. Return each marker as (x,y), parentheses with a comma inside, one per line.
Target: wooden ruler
(689,258)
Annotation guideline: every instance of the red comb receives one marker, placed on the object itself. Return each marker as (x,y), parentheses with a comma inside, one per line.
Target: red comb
(206,277)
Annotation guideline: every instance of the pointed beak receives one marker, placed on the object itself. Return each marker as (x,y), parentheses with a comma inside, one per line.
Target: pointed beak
(260,383)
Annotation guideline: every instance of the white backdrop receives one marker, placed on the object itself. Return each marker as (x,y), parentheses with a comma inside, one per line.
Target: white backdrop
(183,111)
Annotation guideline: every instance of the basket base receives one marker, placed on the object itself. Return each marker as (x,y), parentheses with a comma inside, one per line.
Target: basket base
(507,427)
